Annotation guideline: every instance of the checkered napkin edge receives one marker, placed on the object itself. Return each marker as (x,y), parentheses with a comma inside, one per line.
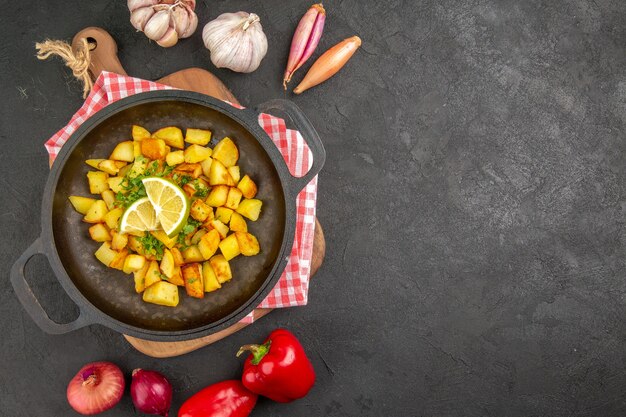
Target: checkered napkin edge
(293,286)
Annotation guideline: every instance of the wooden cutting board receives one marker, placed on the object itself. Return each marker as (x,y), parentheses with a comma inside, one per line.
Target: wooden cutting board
(104,58)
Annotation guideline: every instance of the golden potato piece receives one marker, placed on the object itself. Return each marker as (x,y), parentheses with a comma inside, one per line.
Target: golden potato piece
(250,208)
(153,274)
(153,148)
(193,170)
(139,167)
(169,242)
(94,162)
(137,149)
(124,170)
(99,233)
(109,198)
(247,186)
(157,166)
(248,244)
(209,279)
(235,173)
(133,263)
(208,219)
(237,223)
(118,261)
(230,247)
(96,212)
(178,257)
(192,275)
(192,254)
(111,167)
(124,151)
(139,277)
(221,267)
(175,158)
(221,228)
(172,136)
(112,218)
(195,239)
(223,214)
(233,199)
(198,136)
(226,152)
(209,243)
(97,182)
(162,293)
(196,153)
(168,267)
(119,240)
(218,174)
(199,210)
(206,166)
(135,245)
(139,132)
(116,184)
(105,254)
(81,204)
(218,196)
(177,278)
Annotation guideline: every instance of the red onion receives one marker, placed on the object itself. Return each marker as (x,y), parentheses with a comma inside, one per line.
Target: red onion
(305,39)
(151,392)
(97,387)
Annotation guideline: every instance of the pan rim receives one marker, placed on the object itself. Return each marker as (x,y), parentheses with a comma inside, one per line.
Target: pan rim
(246,118)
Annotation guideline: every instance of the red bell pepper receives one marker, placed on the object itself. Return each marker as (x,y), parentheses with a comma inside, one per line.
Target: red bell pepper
(278,369)
(224,399)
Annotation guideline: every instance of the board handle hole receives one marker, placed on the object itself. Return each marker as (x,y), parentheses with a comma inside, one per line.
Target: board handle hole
(93,43)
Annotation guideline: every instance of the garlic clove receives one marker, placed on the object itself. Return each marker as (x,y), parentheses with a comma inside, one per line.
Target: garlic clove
(259,53)
(140,17)
(219,29)
(191,26)
(185,21)
(191,4)
(137,4)
(237,56)
(169,39)
(180,19)
(158,24)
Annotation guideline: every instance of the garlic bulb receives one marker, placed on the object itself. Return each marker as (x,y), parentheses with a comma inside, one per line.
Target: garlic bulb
(236,41)
(164,21)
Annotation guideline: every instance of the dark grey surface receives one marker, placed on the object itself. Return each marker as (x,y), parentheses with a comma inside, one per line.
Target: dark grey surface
(473,201)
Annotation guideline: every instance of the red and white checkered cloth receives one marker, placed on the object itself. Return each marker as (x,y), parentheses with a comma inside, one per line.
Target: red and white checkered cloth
(292,288)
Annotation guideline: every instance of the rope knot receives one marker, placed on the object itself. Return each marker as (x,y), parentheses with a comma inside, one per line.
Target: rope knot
(78,62)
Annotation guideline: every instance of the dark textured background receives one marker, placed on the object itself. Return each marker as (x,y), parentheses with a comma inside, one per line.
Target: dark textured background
(473,201)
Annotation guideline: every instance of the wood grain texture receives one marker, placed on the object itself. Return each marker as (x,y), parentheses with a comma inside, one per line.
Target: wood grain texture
(104,58)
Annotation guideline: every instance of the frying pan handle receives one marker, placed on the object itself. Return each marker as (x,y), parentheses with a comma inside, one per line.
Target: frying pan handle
(30,302)
(308,132)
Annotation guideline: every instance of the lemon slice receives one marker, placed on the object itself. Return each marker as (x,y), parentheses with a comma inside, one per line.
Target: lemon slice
(170,203)
(139,217)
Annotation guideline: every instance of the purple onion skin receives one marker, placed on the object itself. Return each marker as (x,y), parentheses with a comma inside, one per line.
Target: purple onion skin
(305,40)
(151,392)
(314,39)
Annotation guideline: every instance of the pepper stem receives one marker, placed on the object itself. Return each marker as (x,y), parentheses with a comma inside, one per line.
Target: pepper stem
(257,351)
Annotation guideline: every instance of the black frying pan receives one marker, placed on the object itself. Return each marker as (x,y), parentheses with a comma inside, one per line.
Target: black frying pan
(106,296)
